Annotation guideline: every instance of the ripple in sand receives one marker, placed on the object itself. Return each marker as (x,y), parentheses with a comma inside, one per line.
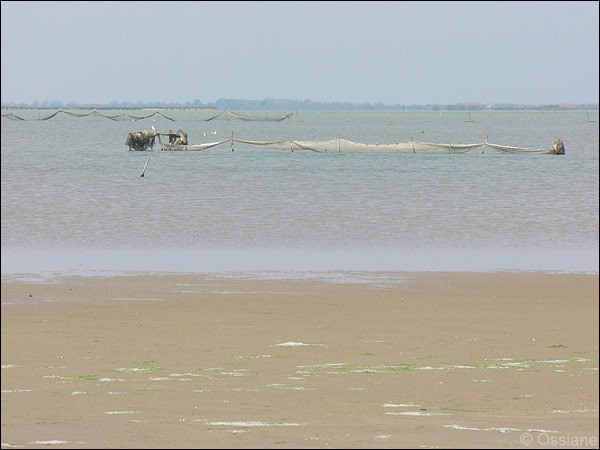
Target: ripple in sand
(562,411)
(500,429)
(139,369)
(290,344)
(292,388)
(400,405)
(253,356)
(236,373)
(253,423)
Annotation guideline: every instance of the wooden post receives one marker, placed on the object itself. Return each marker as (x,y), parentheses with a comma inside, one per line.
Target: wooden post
(146,165)
(232,141)
(588,116)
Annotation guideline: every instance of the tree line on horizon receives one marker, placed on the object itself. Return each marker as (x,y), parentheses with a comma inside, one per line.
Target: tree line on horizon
(301,105)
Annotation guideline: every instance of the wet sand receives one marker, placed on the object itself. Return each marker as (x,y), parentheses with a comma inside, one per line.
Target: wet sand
(437,360)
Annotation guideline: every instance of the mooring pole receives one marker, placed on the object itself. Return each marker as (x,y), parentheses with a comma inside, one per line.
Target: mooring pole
(232,141)
(146,165)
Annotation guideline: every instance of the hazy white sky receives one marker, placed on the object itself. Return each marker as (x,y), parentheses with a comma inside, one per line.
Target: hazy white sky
(389,52)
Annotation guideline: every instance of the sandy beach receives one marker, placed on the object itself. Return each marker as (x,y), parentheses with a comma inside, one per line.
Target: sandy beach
(435,360)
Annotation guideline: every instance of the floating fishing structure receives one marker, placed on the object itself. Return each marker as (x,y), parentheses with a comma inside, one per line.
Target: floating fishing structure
(178,141)
(141,140)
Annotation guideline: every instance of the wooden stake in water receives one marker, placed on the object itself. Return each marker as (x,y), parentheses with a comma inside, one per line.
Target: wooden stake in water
(146,165)
(232,141)
(588,116)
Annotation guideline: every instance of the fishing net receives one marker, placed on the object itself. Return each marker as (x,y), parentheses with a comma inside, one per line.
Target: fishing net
(265,118)
(214,117)
(12,116)
(79,114)
(50,116)
(117,117)
(411,147)
(558,148)
(178,142)
(345,146)
(128,117)
(247,117)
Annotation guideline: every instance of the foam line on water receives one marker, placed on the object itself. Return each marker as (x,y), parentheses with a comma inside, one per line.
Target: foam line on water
(294,262)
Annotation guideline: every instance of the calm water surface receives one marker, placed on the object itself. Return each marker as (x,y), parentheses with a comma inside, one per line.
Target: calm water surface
(73,198)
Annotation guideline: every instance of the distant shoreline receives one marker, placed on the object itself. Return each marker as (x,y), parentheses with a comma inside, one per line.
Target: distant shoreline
(212,108)
(297,105)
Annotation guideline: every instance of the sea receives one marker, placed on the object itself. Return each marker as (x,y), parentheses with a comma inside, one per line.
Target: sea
(73,200)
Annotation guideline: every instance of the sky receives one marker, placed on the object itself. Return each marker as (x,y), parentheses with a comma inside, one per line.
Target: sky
(376,52)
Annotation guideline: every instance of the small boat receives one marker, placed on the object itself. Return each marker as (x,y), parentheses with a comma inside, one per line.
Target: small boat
(188,148)
(178,142)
